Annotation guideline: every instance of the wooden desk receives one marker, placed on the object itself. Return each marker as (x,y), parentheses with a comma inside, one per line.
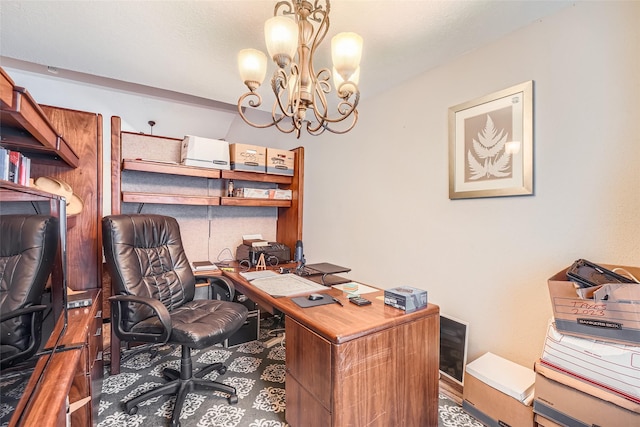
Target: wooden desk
(74,374)
(357,366)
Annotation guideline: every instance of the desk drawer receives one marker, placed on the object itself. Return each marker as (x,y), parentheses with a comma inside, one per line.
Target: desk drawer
(95,336)
(309,362)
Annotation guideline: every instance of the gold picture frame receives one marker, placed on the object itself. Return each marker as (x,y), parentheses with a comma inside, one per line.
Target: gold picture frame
(491,145)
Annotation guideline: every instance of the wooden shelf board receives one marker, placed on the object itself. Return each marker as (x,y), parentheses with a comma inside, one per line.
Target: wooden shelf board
(239,201)
(26,127)
(256,177)
(169,168)
(169,199)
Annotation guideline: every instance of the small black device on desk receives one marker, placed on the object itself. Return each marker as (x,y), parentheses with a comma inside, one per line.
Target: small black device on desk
(359,301)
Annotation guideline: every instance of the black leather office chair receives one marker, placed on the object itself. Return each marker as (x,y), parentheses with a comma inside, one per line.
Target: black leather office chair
(28,248)
(153,287)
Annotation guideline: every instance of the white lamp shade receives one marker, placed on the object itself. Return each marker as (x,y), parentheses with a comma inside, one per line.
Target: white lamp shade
(252,64)
(338,80)
(346,52)
(281,36)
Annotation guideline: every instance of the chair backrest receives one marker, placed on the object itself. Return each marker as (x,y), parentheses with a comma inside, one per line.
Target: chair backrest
(28,247)
(145,257)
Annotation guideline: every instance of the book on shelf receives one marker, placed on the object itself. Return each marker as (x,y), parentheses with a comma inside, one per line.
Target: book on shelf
(203,266)
(14,165)
(24,170)
(4,164)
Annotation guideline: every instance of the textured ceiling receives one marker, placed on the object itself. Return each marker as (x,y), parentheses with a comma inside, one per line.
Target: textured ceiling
(190,47)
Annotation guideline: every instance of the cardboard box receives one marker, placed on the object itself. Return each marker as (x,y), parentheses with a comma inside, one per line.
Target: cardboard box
(493,407)
(544,368)
(610,365)
(280,162)
(254,193)
(204,152)
(568,406)
(503,375)
(607,321)
(280,194)
(544,422)
(406,298)
(247,158)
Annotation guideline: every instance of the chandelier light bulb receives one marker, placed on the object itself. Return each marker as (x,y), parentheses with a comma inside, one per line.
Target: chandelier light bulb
(252,65)
(281,37)
(346,52)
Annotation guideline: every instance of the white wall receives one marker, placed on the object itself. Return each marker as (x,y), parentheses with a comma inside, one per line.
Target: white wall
(376,199)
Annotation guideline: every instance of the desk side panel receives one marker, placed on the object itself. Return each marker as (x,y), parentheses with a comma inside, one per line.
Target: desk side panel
(308,359)
(389,377)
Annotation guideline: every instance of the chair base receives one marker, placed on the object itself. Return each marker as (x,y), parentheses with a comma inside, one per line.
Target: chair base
(183,382)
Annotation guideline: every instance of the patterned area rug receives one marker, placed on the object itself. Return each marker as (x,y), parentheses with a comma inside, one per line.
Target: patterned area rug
(257,373)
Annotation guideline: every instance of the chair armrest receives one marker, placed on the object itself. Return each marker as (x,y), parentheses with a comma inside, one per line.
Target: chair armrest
(160,311)
(221,287)
(22,311)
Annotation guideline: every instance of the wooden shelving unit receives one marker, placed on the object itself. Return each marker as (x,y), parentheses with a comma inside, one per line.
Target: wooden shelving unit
(167,168)
(289,228)
(26,127)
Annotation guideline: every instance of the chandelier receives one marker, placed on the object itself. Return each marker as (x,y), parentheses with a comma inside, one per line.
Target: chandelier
(292,36)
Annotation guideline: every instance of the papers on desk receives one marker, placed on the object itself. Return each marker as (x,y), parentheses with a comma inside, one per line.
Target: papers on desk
(286,285)
(360,288)
(258,274)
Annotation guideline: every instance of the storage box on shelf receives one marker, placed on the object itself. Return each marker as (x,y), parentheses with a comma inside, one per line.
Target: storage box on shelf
(280,162)
(205,152)
(248,158)
(588,318)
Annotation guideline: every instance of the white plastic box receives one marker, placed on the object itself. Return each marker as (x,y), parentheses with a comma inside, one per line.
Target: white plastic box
(205,153)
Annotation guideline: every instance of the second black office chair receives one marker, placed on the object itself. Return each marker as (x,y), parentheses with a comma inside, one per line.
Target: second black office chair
(154,288)
(27,253)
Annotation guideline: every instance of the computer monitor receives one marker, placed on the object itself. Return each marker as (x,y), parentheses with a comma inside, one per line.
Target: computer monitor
(454,336)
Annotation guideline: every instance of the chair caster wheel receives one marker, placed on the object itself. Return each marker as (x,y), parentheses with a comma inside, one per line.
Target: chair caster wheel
(233,400)
(133,410)
(222,370)
(175,424)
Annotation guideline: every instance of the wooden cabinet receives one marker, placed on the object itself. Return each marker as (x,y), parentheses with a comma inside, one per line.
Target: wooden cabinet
(71,376)
(382,378)
(64,144)
(85,331)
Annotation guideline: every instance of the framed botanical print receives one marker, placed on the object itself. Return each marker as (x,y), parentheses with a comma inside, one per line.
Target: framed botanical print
(491,145)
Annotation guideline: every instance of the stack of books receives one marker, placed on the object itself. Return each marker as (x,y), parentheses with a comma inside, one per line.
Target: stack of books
(14,167)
